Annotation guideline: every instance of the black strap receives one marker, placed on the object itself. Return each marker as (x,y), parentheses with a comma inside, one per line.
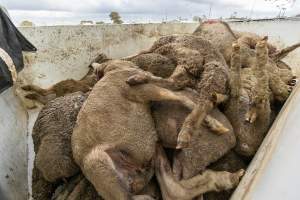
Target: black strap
(13,43)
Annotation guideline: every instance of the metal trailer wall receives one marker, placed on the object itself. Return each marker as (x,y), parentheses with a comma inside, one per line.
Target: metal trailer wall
(13,148)
(65,52)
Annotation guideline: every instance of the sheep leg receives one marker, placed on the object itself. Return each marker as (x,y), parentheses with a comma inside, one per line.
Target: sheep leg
(142,78)
(78,190)
(113,173)
(235,82)
(210,87)
(195,118)
(142,197)
(262,86)
(215,126)
(284,52)
(34,88)
(193,187)
(152,92)
(218,98)
(146,77)
(192,122)
(251,115)
(235,72)
(37,97)
(68,188)
(280,90)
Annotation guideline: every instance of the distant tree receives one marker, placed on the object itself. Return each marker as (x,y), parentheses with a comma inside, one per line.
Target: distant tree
(115,17)
(100,23)
(197,19)
(27,23)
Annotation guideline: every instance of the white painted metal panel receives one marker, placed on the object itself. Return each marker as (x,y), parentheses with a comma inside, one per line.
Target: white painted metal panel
(13,145)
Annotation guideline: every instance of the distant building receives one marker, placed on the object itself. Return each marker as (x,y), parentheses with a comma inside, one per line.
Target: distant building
(174,21)
(27,23)
(86,22)
(100,23)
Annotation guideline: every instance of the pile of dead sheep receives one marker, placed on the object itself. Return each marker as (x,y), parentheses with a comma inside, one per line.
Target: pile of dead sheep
(180,120)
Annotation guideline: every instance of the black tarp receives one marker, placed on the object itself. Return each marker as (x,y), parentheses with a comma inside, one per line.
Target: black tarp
(13,43)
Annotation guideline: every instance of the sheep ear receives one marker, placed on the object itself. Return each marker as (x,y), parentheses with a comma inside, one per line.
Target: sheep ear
(284,52)
(101,58)
(98,70)
(95,65)
(265,38)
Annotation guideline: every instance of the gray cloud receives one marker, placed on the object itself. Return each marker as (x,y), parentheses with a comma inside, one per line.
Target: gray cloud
(137,10)
(126,6)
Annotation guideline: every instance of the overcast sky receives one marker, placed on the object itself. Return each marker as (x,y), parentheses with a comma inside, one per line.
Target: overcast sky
(48,12)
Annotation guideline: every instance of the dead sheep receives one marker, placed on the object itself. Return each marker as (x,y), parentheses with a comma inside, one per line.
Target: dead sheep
(77,188)
(205,147)
(52,134)
(64,87)
(231,162)
(193,66)
(226,141)
(64,140)
(222,37)
(157,64)
(198,65)
(60,89)
(248,108)
(114,140)
(187,189)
